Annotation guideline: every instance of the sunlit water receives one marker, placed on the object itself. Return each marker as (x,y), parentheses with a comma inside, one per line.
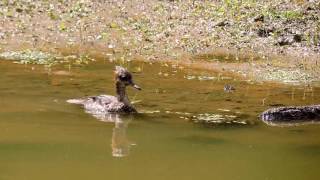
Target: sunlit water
(43,137)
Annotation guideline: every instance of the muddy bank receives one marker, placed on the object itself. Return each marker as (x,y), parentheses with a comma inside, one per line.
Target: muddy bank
(157,29)
(284,37)
(225,63)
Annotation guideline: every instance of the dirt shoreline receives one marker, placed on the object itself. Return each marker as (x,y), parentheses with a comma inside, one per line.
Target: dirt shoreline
(221,60)
(265,41)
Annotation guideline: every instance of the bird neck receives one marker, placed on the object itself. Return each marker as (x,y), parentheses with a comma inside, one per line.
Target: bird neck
(121,93)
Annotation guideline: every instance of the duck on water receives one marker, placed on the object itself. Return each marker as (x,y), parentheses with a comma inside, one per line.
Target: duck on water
(107,104)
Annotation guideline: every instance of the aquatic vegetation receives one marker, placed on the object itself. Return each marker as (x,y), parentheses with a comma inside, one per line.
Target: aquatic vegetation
(212,118)
(200,78)
(206,78)
(284,75)
(218,119)
(189,77)
(28,57)
(39,57)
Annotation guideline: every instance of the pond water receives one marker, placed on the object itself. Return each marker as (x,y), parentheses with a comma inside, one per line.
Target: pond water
(188,128)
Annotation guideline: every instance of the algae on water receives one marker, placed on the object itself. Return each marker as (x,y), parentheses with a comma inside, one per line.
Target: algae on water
(43,58)
(28,57)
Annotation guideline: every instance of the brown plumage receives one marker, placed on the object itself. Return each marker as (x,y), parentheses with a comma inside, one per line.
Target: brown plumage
(104,104)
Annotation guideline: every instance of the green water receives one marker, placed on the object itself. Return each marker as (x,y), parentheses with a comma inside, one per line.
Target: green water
(43,137)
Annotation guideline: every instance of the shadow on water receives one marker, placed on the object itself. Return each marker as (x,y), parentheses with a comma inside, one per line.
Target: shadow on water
(308,150)
(202,140)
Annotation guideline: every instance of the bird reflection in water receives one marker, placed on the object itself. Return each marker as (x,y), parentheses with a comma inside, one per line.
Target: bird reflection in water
(109,108)
(119,142)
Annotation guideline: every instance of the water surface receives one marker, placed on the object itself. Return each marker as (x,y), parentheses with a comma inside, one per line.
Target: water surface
(43,137)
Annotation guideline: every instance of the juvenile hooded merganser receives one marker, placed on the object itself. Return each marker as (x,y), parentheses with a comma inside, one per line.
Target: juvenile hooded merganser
(104,104)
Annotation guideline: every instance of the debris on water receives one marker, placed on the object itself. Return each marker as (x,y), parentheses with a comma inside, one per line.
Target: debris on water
(68,58)
(218,119)
(43,58)
(160,91)
(228,88)
(28,57)
(61,73)
(200,78)
(185,118)
(212,118)
(149,111)
(178,112)
(205,78)
(182,113)
(225,78)
(225,110)
(136,101)
(189,77)
(284,75)
(137,70)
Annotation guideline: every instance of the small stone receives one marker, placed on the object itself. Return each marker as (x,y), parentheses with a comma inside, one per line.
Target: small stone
(265,31)
(259,18)
(285,40)
(289,39)
(19,10)
(297,37)
(221,23)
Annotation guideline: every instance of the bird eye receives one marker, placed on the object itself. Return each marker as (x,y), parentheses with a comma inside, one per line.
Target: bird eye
(124,78)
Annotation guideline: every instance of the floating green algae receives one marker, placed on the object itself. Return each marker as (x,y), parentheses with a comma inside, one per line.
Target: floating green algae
(43,58)
(28,57)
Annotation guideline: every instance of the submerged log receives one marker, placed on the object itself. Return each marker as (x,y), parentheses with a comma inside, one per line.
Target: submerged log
(292,114)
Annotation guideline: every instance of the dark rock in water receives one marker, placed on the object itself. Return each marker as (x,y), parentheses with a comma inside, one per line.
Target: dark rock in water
(292,114)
